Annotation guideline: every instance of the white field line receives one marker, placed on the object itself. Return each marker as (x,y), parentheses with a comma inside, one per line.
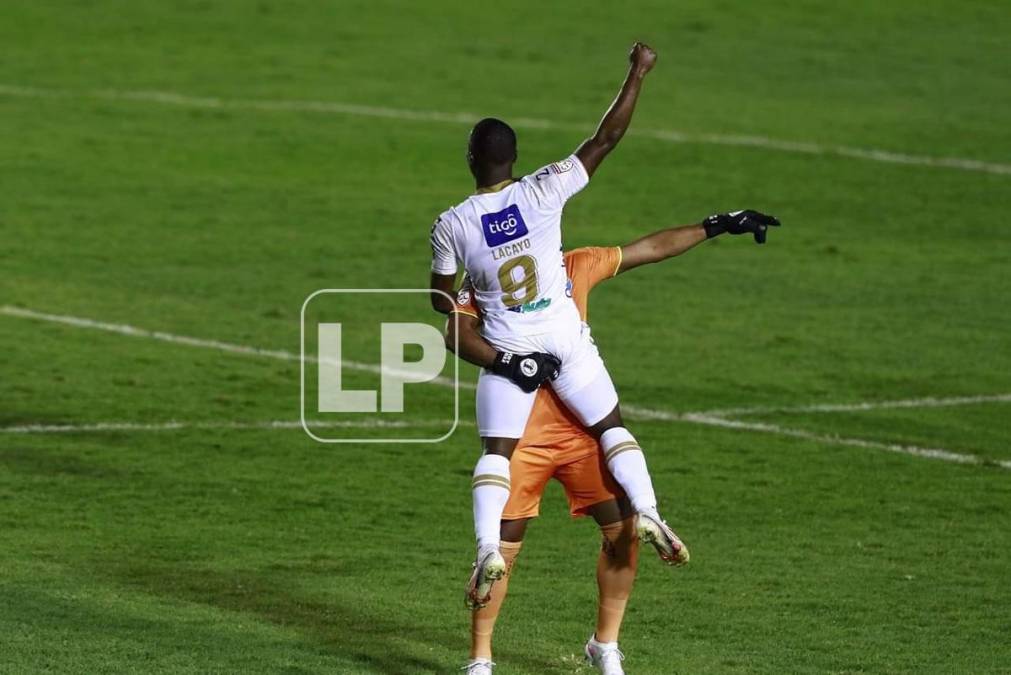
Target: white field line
(463,118)
(221,424)
(133,331)
(930,453)
(632,410)
(927,402)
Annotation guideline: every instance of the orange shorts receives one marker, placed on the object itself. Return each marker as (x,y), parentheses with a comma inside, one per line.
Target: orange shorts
(577,463)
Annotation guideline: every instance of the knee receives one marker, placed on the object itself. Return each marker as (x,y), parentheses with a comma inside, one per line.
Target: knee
(610,421)
(499,446)
(513,531)
(619,543)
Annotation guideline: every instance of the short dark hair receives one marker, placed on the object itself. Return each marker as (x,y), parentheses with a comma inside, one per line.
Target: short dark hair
(492,142)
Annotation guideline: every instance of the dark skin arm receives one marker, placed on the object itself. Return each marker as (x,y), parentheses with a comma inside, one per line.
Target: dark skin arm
(471,346)
(617,118)
(444,283)
(593,150)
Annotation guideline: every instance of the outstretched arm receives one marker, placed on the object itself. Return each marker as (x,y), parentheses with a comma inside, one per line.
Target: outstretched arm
(617,118)
(676,240)
(660,246)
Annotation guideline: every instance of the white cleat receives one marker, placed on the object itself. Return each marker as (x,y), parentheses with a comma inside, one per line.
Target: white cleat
(604,656)
(489,568)
(479,667)
(652,529)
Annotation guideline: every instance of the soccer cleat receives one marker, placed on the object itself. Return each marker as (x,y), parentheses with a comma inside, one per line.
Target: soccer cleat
(479,667)
(604,656)
(489,567)
(653,530)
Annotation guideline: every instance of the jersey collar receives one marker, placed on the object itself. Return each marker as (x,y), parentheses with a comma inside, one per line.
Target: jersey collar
(495,188)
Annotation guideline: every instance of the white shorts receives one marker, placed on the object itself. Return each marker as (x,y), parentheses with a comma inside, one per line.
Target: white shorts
(583,384)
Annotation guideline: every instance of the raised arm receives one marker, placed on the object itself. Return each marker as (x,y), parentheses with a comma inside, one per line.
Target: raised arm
(676,240)
(617,118)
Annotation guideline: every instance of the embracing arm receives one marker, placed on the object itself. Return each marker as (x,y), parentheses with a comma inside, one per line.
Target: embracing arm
(528,371)
(464,339)
(444,283)
(617,118)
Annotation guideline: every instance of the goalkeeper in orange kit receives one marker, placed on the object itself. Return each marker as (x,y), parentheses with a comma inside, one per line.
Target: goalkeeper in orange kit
(555,445)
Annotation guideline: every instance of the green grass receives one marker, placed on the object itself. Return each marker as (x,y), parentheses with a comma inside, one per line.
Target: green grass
(223,550)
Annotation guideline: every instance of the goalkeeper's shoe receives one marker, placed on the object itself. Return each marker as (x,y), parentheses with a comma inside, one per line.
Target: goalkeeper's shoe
(489,567)
(604,656)
(479,667)
(652,529)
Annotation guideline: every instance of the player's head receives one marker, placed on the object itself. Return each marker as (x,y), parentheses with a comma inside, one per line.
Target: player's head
(492,146)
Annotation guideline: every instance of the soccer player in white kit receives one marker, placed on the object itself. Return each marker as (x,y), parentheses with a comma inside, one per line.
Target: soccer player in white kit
(508,238)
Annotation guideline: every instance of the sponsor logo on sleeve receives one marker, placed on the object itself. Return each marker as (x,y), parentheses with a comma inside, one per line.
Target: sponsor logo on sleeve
(504,226)
(562,166)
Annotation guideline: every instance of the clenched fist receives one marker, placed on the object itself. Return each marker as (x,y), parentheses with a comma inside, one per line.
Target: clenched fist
(642,57)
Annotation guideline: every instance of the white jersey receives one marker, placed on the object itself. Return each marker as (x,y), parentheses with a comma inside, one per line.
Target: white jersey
(510,244)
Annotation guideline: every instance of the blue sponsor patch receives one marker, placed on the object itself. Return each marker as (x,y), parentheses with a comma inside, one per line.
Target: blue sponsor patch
(504,226)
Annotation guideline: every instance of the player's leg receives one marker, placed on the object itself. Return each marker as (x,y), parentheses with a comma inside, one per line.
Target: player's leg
(625,458)
(591,490)
(491,485)
(482,622)
(616,565)
(627,463)
(502,412)
(531,470)
(586,388)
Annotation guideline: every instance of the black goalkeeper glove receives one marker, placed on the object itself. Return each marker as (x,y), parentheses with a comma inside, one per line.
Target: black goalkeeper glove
(740,222)
(528,371)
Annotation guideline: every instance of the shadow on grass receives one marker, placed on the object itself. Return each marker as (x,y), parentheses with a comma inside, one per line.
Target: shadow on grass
(350,630)
(53,463)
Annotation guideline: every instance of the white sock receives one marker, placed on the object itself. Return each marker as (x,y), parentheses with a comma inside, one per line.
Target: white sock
(628,466)
(597,643)
(491,492)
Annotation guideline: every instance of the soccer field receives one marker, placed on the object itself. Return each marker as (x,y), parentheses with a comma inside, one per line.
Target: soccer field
(827,417)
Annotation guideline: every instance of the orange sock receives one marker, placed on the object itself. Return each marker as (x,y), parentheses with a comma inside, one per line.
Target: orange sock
(482,621)
(619,555)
